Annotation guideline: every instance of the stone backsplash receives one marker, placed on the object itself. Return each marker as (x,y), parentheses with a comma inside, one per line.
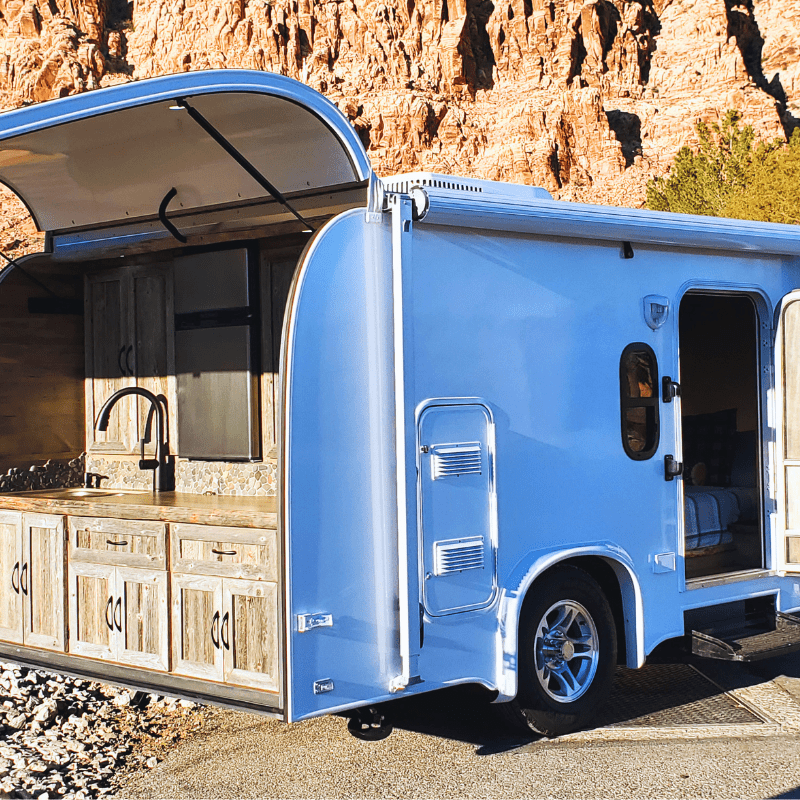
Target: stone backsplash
(193,477)
(54,474)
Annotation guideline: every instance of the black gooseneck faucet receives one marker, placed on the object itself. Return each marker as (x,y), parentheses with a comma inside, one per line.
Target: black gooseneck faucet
(163,472)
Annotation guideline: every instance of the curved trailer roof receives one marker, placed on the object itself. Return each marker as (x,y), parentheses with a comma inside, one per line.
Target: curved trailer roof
(110,156)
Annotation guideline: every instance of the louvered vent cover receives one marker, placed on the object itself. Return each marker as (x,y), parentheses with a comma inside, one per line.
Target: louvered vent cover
(456,555)
(457,459)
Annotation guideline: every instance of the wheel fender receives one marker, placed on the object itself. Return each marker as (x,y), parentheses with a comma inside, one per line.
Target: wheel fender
(528,570)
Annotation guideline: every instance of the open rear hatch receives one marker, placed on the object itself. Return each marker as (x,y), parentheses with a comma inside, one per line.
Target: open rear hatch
(98,170)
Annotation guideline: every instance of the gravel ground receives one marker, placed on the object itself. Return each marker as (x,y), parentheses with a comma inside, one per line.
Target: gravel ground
(72,738)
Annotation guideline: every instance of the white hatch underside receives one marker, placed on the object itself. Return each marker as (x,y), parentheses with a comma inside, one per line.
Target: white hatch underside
(111,156)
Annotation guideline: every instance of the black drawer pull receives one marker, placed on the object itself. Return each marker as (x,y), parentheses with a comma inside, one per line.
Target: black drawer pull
(223,552)
(15,574)
(120,543)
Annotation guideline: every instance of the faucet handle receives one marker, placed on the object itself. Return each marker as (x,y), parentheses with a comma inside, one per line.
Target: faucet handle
(146,463)
(91,480)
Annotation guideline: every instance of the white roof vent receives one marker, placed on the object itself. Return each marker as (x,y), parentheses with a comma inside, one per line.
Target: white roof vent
(512,191)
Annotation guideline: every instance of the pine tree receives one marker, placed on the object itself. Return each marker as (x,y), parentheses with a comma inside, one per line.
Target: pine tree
(732,176)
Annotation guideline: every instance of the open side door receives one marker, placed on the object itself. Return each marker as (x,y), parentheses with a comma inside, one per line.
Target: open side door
(787,384)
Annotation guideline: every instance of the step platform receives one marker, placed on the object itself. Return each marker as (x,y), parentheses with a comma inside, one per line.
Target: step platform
(746,645)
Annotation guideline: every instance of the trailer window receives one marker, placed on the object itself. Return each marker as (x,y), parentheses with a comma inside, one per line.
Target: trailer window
(638,373)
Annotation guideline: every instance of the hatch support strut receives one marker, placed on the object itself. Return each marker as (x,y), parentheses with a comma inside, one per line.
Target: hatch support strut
(246,165)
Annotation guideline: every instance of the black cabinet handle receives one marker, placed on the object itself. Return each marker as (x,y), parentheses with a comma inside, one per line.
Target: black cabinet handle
(15,574)
(224,631)
(119,361)
(118,613)
(109,621)
(121,543)
(223,552)
(215,629)
(24,581)
(128,361)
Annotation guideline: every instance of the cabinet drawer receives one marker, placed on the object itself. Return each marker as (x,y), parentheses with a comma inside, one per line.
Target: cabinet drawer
(118,541)
(227,552)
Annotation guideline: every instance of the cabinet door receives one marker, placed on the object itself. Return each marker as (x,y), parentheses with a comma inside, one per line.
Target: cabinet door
(196,623)
(154,339)
(109,360)
(10,567)
(141,618)
(42,581)
(91,610)
(249,633)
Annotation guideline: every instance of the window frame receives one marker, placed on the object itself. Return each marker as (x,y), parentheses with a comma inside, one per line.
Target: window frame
(627,402)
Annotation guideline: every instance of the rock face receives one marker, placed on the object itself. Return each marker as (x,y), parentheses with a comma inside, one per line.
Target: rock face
(587,99)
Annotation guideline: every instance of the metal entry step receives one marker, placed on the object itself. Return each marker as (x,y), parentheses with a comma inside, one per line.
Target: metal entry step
(746,646)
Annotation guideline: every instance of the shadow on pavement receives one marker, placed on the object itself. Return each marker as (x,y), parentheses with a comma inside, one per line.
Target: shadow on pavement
(665,694)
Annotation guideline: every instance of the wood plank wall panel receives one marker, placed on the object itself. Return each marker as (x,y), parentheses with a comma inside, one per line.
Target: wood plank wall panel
(42,363)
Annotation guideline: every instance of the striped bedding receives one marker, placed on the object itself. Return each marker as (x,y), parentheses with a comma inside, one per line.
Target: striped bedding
(709,510)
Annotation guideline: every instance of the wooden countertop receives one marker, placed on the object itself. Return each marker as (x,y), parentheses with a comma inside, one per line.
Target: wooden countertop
(240,512)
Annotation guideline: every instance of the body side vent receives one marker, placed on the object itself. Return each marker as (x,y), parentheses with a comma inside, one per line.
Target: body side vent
(457,555)
(456,459)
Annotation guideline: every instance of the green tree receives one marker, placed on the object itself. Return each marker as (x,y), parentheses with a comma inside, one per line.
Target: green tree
(731,175)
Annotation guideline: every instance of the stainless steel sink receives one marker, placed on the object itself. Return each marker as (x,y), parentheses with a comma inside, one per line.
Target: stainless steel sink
(81,493)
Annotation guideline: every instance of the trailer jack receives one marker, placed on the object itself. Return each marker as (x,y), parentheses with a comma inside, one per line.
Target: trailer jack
(368,724)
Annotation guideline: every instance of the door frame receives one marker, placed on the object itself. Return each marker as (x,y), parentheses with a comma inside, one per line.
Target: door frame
(765,451)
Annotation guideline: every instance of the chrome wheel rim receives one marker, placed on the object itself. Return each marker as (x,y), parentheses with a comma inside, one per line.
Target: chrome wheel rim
(566,651)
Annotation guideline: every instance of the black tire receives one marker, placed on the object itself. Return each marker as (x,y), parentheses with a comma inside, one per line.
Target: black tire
(548,700)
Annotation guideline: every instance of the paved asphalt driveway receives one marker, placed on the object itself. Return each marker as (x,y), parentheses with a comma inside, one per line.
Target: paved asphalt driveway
(727,730)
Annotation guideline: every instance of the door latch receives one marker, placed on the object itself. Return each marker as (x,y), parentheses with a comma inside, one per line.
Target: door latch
(307,622)
(672,468)
(669,389)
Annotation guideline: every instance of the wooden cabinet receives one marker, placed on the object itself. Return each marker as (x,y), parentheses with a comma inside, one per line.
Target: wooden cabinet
(225,605)
(31,579)
(215,615)
(129,342)
(118,591)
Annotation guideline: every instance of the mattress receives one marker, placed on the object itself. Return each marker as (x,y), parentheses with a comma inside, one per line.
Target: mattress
(708,511)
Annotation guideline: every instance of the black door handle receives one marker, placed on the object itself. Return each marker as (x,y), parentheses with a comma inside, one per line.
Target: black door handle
(15,574)
(109,621)
(118,612)
(224,631)
(119,361)
(24,581)
(215,629)
(672,468)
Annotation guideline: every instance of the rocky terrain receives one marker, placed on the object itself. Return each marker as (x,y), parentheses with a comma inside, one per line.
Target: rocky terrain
(588,99)
(72,738)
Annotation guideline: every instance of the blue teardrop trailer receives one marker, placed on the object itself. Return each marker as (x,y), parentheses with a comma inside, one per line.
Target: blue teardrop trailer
(284,436)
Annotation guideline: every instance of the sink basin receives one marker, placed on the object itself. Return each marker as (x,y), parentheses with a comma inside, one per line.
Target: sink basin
(81,493)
